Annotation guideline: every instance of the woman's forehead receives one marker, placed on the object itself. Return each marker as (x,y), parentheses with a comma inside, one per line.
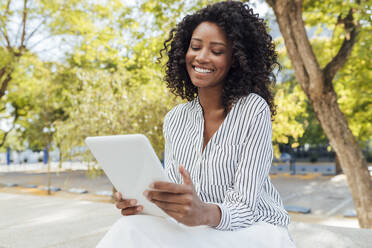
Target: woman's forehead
(211,32)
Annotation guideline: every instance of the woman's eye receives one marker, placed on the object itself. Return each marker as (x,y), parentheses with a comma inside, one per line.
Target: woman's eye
(217,52)
(195,48)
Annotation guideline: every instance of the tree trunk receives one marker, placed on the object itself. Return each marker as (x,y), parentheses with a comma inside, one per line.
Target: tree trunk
(317,85)
(338,165)
(348,153)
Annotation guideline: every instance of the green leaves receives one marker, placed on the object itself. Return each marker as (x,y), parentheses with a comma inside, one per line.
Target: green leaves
(353,83)
(291,106)
(109,105)
(108,82)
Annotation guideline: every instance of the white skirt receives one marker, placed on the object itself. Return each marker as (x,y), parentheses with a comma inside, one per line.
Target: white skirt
(143,231)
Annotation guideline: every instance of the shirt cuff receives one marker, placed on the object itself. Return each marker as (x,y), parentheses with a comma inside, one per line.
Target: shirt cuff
(225,221)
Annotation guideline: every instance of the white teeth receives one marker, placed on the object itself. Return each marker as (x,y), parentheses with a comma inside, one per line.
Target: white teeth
(201,70)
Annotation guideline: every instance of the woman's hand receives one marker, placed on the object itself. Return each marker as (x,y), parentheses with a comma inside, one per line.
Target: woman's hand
(181,202)
(127,206)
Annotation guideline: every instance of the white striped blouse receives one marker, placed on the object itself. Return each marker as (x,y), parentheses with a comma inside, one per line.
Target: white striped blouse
(233,169)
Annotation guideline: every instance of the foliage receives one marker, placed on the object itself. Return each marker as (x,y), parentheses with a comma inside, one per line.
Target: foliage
(121,90)
(353,83)
(108,82)
(107,106)
(20,98)
(318,84)
(291,109)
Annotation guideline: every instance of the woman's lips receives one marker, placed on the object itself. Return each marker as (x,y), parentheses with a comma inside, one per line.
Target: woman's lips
(202,70)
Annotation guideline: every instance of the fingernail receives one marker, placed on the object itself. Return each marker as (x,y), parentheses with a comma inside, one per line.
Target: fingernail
(139,208)
(146,193)
(152,185)
(133,202)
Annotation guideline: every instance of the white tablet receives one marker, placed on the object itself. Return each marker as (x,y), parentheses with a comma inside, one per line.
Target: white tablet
(131,164)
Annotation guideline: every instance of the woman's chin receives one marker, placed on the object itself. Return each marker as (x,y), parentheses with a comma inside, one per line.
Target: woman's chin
(202,85)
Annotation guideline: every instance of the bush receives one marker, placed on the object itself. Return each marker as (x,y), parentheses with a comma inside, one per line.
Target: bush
(313,158)
(369,157)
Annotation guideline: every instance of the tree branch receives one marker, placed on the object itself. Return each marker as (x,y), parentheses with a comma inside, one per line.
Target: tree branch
(17,36)
(271,3)
(2,72)
(281,9)
(24,20)
(4,84)
(34,31)
(7,8)
(3,43)
(30,47)
(304,47)
(338,61)
(305,64)
(3,139)
(4,32)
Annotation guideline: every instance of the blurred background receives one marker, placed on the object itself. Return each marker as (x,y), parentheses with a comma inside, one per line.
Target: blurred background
(70,69)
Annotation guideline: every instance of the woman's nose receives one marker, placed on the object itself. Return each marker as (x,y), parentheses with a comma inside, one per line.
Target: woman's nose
(202,56)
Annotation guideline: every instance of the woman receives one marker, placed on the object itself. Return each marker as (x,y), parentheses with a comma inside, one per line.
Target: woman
(218,148)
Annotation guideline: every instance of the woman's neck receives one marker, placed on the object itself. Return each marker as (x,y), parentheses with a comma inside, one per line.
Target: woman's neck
(210,100)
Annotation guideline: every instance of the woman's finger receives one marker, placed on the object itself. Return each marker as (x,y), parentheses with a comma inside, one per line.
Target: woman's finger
(173,207)
(185,175)
(132,210)
(169,197)
(126,203)
(171,187)
(118,196)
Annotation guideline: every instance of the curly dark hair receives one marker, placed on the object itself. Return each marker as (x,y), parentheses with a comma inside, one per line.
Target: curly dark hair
(253,51)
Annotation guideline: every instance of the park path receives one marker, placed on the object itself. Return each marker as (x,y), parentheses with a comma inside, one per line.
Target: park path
(51,222)
(60,222)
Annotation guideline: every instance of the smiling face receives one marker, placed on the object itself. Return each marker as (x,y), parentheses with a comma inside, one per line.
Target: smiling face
(209,56)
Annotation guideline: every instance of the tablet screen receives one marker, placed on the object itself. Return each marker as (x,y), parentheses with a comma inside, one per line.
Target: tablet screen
(131,164)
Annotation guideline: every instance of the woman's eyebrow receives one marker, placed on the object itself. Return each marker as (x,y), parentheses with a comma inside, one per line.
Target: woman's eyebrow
(213,42)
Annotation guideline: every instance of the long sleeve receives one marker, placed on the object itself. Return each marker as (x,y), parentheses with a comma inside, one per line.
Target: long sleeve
(170,166)
(240,203)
